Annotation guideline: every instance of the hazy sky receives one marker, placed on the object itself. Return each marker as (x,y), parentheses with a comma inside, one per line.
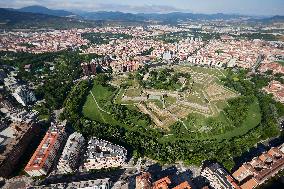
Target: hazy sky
(251,7)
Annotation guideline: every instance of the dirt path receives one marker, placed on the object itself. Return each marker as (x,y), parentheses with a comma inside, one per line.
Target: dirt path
(98,104)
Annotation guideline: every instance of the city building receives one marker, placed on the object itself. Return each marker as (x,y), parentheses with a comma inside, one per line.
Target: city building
(89,68)
(277,89)
(18,182)
(143,181)
(19,115)
(254,173)
(163,183)
(218,177)
(71,153)
(23,95)
(14,140)
(184,185)
(3,75)
(21,92)
(43,157)
(275,67)
(88,184)
(103,154)
(95,65)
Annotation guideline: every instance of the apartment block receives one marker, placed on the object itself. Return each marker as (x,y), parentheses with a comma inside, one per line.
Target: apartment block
(43,157)
(14,140)
(24,96)
(71,153)
(88,184)
(89,68)
(163,183)
(254,173)
(218,177)
(103,154)
(143,181)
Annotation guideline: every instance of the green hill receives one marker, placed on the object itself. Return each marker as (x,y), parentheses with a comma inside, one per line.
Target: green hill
(15,19)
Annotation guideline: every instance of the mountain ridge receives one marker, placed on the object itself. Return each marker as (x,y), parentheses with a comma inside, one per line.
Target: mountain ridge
(10,18)
(45,10)
(126,16)
(16,19)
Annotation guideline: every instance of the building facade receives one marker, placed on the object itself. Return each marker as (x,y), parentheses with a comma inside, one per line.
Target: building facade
(24,96)
(254,173)
(44,156)
(143,181)
(88,184)
(218,177)
(71,153)
(103,154)
(14,140)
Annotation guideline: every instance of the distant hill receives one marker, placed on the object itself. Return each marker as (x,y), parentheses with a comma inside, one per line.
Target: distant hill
(188,16)
(110,15)
(16,19)
(268,20)
(42,17)
(44,10)
(167,17)
(274,19)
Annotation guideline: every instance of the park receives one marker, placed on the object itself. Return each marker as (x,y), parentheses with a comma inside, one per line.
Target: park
(182,101)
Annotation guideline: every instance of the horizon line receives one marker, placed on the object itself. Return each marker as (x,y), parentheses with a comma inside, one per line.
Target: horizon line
(138,12)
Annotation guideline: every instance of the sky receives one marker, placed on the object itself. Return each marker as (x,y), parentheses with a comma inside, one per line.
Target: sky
(248,7)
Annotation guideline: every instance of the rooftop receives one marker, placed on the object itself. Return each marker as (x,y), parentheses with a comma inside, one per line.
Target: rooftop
(42,152)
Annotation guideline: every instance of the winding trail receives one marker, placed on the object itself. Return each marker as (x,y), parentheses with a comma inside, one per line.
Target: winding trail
(98,104)
(116,96)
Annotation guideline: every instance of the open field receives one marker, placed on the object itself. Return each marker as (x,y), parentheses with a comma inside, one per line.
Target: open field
(99,102)
(93,110)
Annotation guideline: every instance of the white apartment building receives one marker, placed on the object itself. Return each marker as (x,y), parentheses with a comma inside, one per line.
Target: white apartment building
(103,154)
(218,177)
(71,153)
(23,95)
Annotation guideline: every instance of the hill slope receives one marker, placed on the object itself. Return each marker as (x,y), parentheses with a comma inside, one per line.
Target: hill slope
(114,16)
(274,19)
(44,10)
(168,17)
(16,19)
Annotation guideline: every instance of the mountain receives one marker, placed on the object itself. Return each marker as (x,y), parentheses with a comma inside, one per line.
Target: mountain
(274,19)
(110,15)
(15,19)
(142,17)
(267,20)
(188,16)
(44,10)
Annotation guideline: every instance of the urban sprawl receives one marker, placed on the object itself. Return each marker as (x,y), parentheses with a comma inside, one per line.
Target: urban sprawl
(61,152)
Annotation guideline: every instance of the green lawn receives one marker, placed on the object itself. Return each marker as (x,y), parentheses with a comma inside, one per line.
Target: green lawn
(91,110)
(169,100)
(159,104)
(132,92)
(119,96)
(225,130)
(196,99)
(252,120)
(203,128)
(221,104)
(210,71)
(104,96)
